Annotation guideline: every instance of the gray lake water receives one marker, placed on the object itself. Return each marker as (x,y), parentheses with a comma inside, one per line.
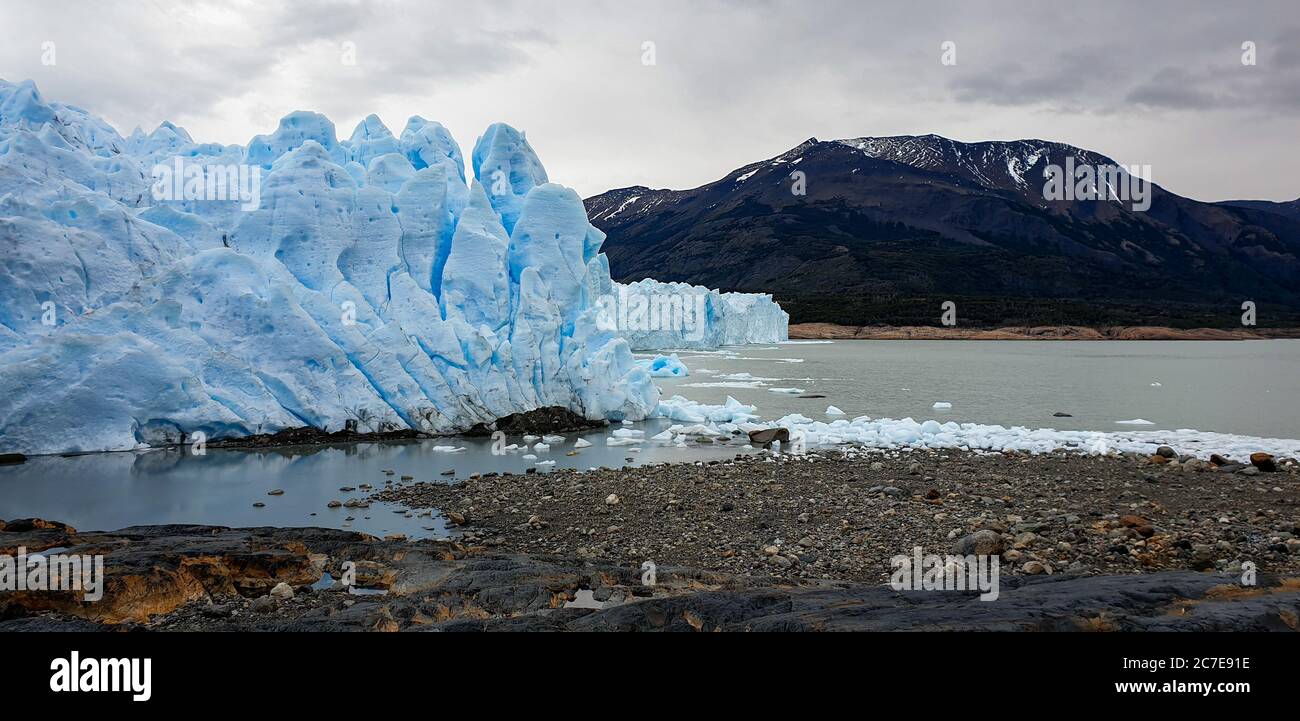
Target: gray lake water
(1246,388)
(1241,387)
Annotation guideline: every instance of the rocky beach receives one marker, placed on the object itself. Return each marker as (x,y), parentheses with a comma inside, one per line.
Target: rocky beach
(765,541)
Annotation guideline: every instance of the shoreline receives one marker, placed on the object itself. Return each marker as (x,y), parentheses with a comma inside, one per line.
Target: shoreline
(538,421)
(841,516)
(759,543)
(831,331)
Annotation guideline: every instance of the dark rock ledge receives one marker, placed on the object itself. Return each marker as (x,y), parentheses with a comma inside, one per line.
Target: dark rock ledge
(212,578)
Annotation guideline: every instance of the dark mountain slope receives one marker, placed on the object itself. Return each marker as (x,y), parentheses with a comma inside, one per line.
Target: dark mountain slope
(889,227)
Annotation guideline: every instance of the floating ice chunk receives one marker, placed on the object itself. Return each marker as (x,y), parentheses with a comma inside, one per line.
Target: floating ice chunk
(1157,384)
(447,449)
(1135,422)
(662,436)
(553,439)
(930,428)
(833,411)
(529,457)
(628,433)
(941,405)
(545,463)
(664,366)
(788,391)
(582,443)
(612,441)
(542,448)
(685,410)
(531,438)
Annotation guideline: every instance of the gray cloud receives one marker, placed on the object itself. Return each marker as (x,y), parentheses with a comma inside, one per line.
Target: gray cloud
(733,81)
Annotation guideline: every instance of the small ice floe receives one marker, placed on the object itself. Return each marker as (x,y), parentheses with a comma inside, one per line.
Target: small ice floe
(1136,422)
(665,366)
(787,391)
(686,410)
(582,443)
(529,457)
(544,463)
(531,438)
(663,436)
(833,411)
(448,449)
(1157,384)
(553,440)
(542,448)
(613,441)
(940,405)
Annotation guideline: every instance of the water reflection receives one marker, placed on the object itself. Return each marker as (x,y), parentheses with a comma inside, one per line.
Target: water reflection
(107,491)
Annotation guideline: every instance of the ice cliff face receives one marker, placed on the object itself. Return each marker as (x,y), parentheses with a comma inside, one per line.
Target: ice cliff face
(366,281)
(654,315)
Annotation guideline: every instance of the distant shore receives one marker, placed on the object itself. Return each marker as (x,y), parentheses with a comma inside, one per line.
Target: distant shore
(831,331)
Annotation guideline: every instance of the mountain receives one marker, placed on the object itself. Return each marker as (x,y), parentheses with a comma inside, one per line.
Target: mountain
(890,227)
(1290,208)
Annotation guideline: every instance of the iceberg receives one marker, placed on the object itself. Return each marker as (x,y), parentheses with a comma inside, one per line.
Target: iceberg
(368,283)
(665,366)
(652,315)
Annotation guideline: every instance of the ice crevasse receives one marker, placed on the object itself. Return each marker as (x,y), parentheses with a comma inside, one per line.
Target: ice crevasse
(378,280)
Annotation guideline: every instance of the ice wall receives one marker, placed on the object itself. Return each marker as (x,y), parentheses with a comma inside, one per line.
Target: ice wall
(369,282)
(654,316)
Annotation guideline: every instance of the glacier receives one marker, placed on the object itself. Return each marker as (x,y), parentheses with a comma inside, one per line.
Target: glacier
(375,282)
(653,315)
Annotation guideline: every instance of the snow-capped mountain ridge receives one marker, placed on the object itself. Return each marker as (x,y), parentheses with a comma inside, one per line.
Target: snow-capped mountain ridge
(921,215)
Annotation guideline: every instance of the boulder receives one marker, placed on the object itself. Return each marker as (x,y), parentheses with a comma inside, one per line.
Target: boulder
(979,543)
(1263,462)
(766,436)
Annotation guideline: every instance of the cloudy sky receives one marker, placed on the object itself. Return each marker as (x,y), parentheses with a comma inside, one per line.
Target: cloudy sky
(1158,83)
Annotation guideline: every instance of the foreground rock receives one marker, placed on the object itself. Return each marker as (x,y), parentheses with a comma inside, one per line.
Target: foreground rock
(265,579)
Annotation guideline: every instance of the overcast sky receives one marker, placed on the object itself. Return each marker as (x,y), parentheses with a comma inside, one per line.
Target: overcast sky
(1158,83)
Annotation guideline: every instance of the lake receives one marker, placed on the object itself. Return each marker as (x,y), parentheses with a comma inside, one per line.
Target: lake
(1247,388)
